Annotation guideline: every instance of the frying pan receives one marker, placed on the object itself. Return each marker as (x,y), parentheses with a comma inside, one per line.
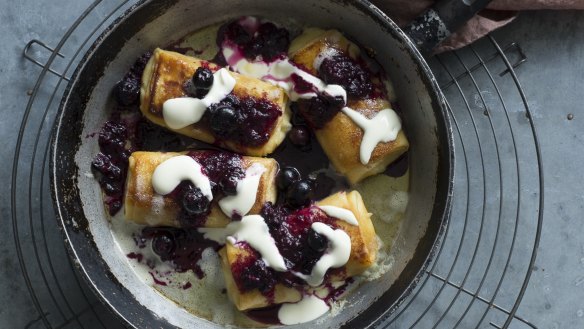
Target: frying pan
(148,24)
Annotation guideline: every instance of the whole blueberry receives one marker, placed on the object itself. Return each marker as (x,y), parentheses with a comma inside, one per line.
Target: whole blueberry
(286,177)
(316,242)
(194,202)
(231,100)
(299,136)
(163,245)
(127,91)
(299,194)
(223,120)
(202,80)
(111,187)
(229,185)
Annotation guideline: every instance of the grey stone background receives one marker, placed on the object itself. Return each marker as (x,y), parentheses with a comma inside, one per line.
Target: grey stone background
(553,80)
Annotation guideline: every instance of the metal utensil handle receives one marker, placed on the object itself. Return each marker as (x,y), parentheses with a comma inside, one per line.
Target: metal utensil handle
(438,22)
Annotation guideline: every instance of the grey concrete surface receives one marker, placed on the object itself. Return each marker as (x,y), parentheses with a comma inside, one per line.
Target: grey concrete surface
(552,79)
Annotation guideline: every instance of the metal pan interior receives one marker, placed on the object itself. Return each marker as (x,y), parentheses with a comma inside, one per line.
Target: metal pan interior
(149,24)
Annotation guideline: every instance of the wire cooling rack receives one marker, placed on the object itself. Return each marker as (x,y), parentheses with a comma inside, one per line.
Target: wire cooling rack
(482,268)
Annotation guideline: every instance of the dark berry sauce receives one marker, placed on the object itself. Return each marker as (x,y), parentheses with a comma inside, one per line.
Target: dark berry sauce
(252,273)
(319,110)
(252,125)
(290,230)
(224,169)
(183,247)
(110,165)
(127,91)
(344,71)
(263,39)
(302,86)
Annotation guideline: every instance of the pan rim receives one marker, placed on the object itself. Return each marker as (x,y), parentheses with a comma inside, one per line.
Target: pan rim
(440,211)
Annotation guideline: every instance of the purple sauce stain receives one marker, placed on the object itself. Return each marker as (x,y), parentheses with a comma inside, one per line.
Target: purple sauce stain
(251,273)
(156,280)
(186,286)
(397,108)
(302,86)
(335,294)
(137,256)
(185,247)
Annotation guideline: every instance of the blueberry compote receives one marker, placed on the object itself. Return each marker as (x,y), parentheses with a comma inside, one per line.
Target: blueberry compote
(110,165)
(291,231)
(224,170)
(300,246)
(127,90)
(255,39)
(319,110)
(245,120)
(184,248)
(344,71)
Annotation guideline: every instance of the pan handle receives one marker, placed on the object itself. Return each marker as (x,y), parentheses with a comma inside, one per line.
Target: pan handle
(437,23)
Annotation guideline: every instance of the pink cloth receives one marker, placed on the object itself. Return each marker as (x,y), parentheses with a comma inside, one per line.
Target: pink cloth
(497,14)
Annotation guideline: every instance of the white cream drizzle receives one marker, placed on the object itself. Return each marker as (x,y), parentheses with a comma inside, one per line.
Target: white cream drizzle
(336,255)
(184,111)
(253,230)
(383,127)
(307,309)
(171,172)
(279,73)
(340,213)
(247,189)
